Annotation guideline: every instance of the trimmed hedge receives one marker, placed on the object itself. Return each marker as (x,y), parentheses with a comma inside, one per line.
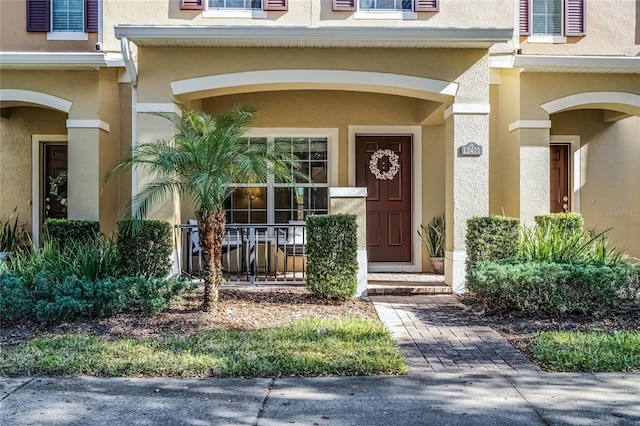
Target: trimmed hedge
(332,263)
(569,223)
(63,231)
(49,302)
(144,252)
(491,238)
(535,287)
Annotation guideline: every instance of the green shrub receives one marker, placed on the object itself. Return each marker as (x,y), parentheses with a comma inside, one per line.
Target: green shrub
(81,297)
(145,251)
(491,238)
(154,294)
(92,259)
(332,264)
(535,287)
(63,231)
(555,244)
(15,299)
(566,223)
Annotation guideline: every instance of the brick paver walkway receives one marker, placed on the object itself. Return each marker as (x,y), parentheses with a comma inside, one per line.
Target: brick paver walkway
(438,334)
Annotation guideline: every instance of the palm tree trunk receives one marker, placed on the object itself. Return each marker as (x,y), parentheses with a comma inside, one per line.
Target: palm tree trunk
(211,229)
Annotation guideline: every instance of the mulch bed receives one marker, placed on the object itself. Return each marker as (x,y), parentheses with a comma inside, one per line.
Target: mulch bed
(249,309)
(238,308)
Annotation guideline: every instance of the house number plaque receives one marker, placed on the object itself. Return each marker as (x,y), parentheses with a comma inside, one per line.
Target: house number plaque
(471,149)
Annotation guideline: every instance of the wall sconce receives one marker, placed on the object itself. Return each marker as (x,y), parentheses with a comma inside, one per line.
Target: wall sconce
(251,192)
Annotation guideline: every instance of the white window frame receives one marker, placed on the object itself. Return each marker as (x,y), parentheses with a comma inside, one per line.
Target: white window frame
(548,38)
(210,12)
(386,14)
(66,34)
(271,133)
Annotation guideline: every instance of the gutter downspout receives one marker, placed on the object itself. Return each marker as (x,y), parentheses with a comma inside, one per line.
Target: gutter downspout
(130,66)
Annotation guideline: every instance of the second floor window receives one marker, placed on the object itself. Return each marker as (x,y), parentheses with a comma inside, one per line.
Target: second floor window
(385,4)
(67,15)
(546,17)
(235,4)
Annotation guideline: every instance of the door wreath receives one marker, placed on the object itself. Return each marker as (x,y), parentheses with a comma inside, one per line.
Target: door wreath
(393,161)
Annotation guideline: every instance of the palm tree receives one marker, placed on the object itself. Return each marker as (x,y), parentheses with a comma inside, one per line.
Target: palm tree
(202,162)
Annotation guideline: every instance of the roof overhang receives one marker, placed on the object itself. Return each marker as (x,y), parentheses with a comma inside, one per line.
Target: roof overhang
(59,60)
(318,37)
(578,64)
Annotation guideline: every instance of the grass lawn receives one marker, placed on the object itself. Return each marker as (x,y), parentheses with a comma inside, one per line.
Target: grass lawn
(588,351)
(349,345)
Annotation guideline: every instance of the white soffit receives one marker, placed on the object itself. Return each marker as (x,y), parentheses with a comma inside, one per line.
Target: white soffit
(322,37)
(578,64)
(47,60)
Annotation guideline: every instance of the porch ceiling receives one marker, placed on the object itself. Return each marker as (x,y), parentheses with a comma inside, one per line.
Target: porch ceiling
(318,37)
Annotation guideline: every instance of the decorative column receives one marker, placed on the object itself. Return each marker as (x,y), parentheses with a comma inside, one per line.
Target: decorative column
(354,201)
(534,167)
(83,167)
(467,182)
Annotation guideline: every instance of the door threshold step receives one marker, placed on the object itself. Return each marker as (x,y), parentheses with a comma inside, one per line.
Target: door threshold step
(379,290)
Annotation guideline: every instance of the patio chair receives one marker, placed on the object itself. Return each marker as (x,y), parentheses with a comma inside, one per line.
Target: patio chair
(234,239)
(293,242)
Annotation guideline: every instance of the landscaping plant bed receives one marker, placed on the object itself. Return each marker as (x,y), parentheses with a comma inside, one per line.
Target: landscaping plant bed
(521,331)
(238,309)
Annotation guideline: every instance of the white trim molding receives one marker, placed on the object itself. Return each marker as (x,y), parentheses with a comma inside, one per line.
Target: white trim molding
(627,102)
(47,60)
(400,15)
(235,13)
(459,108)
(67,35)
(291,79)
(581,64)
(37,98)
(530,124)
(347,192)
(143,107)
(88,124)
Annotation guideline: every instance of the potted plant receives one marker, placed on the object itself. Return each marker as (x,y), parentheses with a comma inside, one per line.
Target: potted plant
(11,235)
(434,238)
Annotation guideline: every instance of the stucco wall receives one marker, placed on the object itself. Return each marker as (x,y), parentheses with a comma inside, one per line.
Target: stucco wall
(311,13)
(612,29)
(16,131)
(439,64)
(610,176)
(15,37)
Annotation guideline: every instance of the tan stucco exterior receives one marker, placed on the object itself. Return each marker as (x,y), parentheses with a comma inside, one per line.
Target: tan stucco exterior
(445,97)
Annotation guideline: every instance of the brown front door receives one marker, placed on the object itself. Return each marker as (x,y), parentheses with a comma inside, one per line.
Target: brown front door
(383,166)
(559,178)
(55,163)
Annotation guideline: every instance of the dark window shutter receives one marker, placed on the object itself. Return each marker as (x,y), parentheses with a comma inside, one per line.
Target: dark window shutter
(344,5)
(275,4)
(575,18)
(91,16)
(525,17)
(38,15)
(426,5)
(192,4)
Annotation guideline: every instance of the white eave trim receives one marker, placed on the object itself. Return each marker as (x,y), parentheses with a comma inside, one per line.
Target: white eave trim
(586,64)
(59,59)
(326,36)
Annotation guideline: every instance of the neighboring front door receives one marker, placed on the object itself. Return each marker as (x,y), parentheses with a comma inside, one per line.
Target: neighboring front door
(55,163)
(559,178)
(383,166)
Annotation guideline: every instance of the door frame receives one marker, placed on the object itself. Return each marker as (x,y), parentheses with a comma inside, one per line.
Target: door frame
(415,265)
(575,167)
(37,169)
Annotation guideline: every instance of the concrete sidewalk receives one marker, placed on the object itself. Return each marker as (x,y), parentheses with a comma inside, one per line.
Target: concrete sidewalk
(435,399)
